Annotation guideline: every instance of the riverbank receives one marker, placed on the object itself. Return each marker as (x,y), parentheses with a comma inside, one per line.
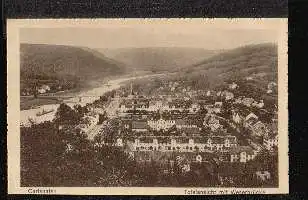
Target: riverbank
(88,96)
(29,102)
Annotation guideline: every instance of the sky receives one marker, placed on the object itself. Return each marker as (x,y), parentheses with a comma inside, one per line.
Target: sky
(160,34)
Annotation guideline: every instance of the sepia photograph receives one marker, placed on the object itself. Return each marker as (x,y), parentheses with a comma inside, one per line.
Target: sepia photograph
(166,105)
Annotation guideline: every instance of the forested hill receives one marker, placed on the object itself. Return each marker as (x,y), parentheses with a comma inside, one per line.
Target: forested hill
(252,67)
(258,62)
(45,63)
(158,59)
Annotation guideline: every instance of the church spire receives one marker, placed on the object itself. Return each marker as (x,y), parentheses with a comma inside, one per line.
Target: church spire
(131,88)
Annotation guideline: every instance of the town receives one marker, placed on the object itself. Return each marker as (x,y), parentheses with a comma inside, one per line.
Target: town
(182,132)
(166,105)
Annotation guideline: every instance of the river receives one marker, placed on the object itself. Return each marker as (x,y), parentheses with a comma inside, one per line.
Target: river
(91,95)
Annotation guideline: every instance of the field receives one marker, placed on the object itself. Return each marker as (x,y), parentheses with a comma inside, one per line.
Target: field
(31,102)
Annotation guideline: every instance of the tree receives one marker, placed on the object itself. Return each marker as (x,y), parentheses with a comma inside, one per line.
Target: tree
(47,161)
(42,149)
(66,115)
(102,117)
(104,98)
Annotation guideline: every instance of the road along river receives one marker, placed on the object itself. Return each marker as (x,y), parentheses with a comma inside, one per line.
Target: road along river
(47,112)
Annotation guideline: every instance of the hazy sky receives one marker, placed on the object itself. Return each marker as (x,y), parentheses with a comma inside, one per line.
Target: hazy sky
(206,36)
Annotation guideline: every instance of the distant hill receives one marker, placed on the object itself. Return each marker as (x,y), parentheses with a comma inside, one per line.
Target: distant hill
(61,60)
(257,61)
(252,67)
(45,63)
(158,59)
(99,54)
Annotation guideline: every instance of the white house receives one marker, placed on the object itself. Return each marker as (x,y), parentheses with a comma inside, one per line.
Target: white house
(269,91)
(249,78)
(217,143)
(161,124)
(270,142)
(69,148)
(194,108)
(238,100)
(233,86)
(242,154)
(186,168)
(236,118)
(247,101)
(257,127)
(218,104)
(41,91)
(212,122)
(263,175)
(228,95)
(258,104)
(185,144)
(45,87)
(216,108)
(119,142)
(271,85)
(125,106)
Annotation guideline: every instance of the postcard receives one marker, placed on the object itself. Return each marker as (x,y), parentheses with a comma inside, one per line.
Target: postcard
(147,106)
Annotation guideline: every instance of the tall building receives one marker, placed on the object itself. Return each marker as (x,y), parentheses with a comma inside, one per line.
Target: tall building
(131,94)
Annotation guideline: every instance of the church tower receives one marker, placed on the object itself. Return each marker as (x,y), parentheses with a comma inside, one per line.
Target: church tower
(131,88)
(131,95)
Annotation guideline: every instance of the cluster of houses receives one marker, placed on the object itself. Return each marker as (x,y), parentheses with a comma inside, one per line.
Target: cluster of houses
(43,89)
(40,90)
(146,125)
(26,92)
(157,105)
(255,125)
(261,130)
(199,148)
(250,122)
(162,124)
(185,144)
(152,132)
(249,102)
(212,122)
(270,139)
(268,133)
(178,89)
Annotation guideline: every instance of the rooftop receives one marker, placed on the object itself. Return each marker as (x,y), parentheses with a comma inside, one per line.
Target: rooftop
(240,149)
(139,125)
(146,139)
